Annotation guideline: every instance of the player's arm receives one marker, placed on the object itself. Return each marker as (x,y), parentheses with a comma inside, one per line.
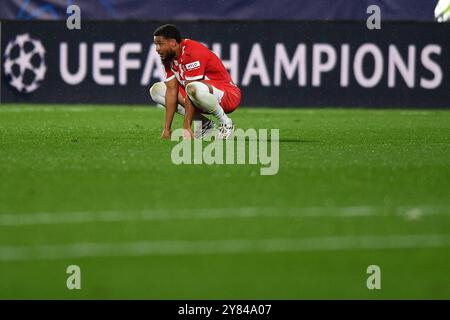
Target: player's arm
(188,115)
(171,100)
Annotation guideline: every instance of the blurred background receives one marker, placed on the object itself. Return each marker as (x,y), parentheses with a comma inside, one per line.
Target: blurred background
(359,91)
(412,10)
(302,53)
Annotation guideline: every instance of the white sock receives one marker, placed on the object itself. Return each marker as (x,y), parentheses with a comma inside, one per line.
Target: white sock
(221,115)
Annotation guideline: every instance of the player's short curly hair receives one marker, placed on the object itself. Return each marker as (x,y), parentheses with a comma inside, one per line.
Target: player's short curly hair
(168,31)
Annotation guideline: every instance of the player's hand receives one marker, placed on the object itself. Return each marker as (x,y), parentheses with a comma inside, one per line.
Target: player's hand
(166,134)
(188,134)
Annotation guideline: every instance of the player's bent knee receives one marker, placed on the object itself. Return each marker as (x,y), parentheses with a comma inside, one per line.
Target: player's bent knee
(194,89)
(157,90)
(191,90)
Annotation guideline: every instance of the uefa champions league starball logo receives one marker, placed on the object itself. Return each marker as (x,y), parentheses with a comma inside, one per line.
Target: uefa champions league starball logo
(24,63)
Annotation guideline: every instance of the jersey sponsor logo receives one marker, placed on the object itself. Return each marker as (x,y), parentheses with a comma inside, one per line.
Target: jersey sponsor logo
(193,65)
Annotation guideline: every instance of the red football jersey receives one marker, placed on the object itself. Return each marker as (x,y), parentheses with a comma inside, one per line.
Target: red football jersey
(196,62)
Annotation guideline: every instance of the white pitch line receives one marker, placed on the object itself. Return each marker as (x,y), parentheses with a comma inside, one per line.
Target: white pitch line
(48,218)
(219,247)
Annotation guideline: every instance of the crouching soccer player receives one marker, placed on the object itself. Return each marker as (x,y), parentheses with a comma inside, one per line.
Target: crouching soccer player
(196,82)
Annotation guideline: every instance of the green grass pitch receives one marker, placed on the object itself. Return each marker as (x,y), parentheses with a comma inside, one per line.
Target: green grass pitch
(95,187)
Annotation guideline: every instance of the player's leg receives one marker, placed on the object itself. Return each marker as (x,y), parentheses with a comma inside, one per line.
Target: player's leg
(206,98)
(158,93)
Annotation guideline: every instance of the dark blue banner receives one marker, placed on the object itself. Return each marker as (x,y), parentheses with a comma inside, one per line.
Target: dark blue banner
(412,10)
(306,64)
